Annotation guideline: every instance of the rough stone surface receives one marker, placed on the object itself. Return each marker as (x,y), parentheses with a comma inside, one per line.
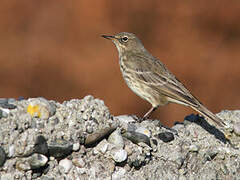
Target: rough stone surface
(79,139)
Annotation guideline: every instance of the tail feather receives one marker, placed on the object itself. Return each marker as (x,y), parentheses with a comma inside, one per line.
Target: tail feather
(208,114)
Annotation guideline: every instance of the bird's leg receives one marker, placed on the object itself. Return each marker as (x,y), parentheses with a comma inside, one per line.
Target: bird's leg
(149,112)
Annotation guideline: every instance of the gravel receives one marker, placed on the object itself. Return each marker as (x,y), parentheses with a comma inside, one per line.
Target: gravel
(80,139)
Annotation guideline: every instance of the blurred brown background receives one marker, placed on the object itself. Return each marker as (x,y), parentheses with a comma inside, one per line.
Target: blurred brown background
(54,49)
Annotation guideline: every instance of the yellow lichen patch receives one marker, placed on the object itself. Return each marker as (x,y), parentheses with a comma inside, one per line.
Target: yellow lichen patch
(34,110)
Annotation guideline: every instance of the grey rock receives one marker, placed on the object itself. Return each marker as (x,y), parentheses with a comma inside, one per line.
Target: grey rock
(60,148)
(236,128)
(1,113)
(166,136)
(102,147)
(137,137)
(144,131)
(3,156)
(116,138)
(3,100)
(37,161)
(41,145)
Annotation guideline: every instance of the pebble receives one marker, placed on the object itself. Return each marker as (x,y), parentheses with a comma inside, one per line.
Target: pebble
(3,156)
(119,174)
(23,165)
(194,148)
(5,112)
(101,147)
(37,160)
(8,106)
(41,108)
(95,137)
(60,148)
(119,155)
(236,128)
(3,100)
(76,146)
(136,137)
(116,139)
(41,145)
(166,136)
(125,120)
(66,165)
(11,151)
(79,162)
(144,131)
(1,113)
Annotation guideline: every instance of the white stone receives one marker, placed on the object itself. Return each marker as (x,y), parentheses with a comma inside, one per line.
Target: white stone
(66,164)
(118,155)
(116,139)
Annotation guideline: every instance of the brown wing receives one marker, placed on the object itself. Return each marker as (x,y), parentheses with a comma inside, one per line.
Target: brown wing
(155,75)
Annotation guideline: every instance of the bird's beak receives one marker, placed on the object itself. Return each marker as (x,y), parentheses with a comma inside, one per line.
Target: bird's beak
(109,37)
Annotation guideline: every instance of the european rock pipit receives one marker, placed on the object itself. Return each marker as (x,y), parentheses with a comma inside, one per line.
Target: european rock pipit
(149,78)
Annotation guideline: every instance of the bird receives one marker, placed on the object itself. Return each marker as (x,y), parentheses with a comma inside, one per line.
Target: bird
(151,80)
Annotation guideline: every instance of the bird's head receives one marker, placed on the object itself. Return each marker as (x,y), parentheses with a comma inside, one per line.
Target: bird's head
(125,41)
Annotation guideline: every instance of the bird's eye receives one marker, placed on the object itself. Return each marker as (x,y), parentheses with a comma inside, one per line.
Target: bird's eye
(124,39)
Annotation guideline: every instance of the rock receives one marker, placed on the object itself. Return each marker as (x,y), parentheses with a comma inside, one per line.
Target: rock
(118,154)
(166,136)
(3,156)
(94,138)
(65,165)
(60,148)
(137,137)
(119,174)
(23,165)
(101,147)
(76,146)
(116,138)
(194,148)
(41,145)
(144,131)
(11,151)
(79,162)
(37,161)
(41,108)
(236,128)
(1,113)
(125,120)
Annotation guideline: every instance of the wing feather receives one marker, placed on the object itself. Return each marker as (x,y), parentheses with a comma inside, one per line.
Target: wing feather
(154,74)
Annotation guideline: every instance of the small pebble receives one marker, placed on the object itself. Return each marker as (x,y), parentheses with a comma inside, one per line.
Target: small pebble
(60,148)
(116,138)
(66,164)
(76,146)
(101,147)
(193,148)
(3,156)
(166,136)
(23,165)
(79,162)
(119,174)
(144,131)
(118,154)
(236,128)
(37,160)
(11,150)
